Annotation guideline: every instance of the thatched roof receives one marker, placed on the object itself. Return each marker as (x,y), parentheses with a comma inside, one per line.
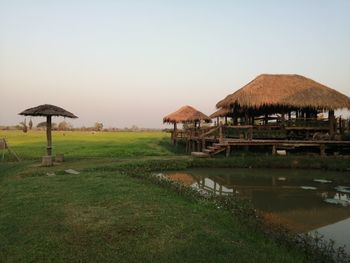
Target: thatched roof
(186,114)
(47,110)
(293,91)
(222,112)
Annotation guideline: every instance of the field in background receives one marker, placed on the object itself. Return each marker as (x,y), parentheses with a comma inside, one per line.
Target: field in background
(32,145)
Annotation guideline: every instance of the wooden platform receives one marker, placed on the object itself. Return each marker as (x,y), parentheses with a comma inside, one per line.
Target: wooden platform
(228,144)
(282,142)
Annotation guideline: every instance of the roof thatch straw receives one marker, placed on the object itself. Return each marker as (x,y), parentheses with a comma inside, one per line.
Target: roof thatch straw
(293,91)
(186,114)
(47,110)
(220,113)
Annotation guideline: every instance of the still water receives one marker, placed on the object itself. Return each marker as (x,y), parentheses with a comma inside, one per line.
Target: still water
(302,200)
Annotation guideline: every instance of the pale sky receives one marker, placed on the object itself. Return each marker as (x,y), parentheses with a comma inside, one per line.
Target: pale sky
(132,62)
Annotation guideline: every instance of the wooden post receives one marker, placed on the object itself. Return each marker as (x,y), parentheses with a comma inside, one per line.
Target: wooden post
(228,150)
(331,120)
(283,118)
(48,135)
(274,151)
(220,133)
(225,120)
(174,133)
(323,150)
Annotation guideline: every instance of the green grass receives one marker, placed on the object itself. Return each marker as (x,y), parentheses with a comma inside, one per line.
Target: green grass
(111,217)
(105,215)
(32,145)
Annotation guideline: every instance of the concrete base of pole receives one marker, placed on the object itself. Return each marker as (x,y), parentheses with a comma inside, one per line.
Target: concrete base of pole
(59,157)
(46,161)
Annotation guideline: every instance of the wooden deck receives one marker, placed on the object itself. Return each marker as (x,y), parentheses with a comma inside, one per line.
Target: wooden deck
(229,144)
(209,141)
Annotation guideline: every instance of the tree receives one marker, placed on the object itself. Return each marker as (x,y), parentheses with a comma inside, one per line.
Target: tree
(98,126)
(41,124)
(30,124)
(64,126)
(24,126)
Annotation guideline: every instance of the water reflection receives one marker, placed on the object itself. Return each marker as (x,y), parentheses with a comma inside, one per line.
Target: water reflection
(301,200)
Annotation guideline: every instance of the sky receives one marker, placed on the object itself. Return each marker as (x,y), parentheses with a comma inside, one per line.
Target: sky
(132,62)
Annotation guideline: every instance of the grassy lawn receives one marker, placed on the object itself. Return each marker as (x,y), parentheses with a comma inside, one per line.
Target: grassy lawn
(32,145)
(108,216)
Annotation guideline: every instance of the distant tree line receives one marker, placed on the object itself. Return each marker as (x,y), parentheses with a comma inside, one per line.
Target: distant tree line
(66,126)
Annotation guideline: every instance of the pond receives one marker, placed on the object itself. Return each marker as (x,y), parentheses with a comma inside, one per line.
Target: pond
(302,200)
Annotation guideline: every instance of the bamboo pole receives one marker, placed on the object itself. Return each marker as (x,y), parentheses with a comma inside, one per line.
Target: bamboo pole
(48,135)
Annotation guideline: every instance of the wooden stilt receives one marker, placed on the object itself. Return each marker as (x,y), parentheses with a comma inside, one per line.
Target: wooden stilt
(228,150)
(331,119)
(274,150)
(220,134)
(323,150)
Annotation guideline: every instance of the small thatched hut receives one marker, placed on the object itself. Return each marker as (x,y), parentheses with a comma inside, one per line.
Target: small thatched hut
(284,95)
(185,114)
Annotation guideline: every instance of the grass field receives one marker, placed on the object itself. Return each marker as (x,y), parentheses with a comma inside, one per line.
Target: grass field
(32,145)
(105,215)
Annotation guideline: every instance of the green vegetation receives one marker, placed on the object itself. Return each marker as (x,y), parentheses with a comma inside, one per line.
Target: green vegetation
(32,145)
(111,212)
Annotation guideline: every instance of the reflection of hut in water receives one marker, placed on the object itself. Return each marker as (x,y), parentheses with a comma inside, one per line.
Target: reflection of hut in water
(183,178)
(216,185)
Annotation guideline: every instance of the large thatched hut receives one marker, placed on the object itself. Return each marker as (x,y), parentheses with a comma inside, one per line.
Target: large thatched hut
(291,100)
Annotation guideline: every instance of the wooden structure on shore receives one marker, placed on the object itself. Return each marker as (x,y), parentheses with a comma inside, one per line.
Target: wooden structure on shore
(277,111)
(191,119)
(47,110)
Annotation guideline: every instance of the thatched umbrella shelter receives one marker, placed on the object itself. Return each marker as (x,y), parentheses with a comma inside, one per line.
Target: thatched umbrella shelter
(185,114)
(269,94)
(48,111)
